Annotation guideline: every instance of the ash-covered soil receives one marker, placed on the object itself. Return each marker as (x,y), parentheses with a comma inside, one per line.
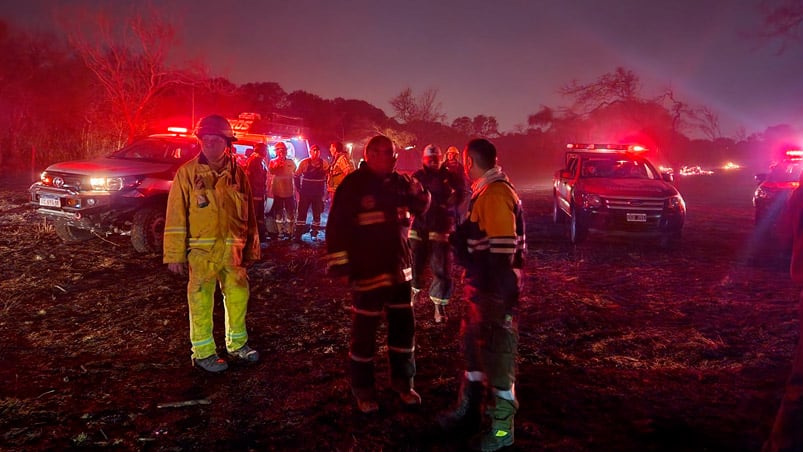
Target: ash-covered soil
(624,346)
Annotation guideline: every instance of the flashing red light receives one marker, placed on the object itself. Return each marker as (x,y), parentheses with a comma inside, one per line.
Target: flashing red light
(570,146)
(637,148)
(795,153)
(177,129)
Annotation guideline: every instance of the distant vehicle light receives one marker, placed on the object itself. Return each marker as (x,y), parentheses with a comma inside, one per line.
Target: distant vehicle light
(730,166)
(177,129)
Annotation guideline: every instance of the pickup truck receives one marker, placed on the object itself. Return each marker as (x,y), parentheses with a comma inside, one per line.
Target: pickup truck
(615,190)
(123,193)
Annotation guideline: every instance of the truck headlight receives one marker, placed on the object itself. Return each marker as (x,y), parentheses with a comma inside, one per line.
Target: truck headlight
(591,200)
(761,193)
(675,203)
(107,183)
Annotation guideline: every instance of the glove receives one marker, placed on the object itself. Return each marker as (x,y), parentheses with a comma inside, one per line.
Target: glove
(179,268)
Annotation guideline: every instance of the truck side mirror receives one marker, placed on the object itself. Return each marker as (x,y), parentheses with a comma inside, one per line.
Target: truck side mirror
(668,177)
(761,177)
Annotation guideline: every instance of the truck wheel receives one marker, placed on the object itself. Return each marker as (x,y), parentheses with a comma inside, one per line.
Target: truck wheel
(70,234)
(147,230)
(557,215)
(578,231)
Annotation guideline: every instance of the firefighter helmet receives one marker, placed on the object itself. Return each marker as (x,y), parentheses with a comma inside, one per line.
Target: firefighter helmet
(215,125)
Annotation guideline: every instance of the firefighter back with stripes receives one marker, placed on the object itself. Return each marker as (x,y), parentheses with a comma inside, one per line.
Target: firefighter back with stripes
(366,240)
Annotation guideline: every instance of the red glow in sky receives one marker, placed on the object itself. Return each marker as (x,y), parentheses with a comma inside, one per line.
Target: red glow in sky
(505,59)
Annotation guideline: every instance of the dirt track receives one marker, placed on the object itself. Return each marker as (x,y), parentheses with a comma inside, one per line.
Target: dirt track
(623,346)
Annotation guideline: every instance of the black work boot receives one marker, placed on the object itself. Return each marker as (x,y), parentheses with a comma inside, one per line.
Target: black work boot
(467,414)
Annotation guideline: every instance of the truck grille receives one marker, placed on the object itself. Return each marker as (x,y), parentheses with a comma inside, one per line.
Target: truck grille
(634,204)
(68,181)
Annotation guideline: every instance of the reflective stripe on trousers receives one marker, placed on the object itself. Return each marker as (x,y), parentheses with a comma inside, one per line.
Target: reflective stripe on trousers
(396,301)
(204,277)
(489,346)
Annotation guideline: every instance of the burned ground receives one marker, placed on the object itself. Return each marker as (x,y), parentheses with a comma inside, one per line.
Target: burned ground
(623,346)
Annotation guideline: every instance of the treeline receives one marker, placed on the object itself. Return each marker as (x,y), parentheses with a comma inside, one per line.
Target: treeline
(86,95)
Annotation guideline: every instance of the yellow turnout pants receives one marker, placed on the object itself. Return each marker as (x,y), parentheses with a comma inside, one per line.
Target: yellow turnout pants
(204,276)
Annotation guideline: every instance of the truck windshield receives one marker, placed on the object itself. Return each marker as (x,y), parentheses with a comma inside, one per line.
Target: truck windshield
(159,150)
(617,166)
(786,172)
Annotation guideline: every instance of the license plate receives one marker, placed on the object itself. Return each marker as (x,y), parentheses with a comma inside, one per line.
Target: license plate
(639,217)
(49,201)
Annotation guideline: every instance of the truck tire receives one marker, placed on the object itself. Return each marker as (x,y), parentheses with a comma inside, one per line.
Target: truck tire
(578,230)
(70,234)
(147,230)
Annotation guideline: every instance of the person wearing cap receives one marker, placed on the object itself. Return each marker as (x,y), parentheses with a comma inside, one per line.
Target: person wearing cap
(429,234)
(257,172)
(366,241)
(311,183)
(211,234)
(282,171)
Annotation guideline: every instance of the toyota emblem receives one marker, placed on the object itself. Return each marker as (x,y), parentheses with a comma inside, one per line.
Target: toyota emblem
(58,182)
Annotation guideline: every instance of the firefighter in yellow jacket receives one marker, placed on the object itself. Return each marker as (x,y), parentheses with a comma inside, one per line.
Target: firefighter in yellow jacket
(211,230)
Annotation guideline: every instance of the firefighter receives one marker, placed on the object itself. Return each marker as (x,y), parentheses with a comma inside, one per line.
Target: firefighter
(283,211)
(366,240)
(453,165)
(311,183)
(211,230)
(341,166)
(429,234)
(257,173)
(489,244)
(786,434)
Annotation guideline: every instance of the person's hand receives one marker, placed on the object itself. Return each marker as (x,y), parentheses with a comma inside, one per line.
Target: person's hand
(508,322)
(179,268)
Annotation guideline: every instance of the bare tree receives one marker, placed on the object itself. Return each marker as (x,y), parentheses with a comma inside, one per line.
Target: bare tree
(426,107)
(404,105)
(543,118)
(620,86)
(129,58)
(708,122)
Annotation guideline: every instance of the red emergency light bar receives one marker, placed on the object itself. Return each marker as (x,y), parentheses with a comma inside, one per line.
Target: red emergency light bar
(795,154)
(177,129)
(607,147)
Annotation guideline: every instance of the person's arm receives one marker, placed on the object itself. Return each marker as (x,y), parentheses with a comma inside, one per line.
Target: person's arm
(339,232)
(177,223)
(251,250)
(497,218)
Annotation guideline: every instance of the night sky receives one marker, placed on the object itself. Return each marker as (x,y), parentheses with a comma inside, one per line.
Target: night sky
(504,58)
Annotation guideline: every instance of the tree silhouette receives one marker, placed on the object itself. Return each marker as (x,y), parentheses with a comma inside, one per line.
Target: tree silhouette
(129,57)
(426,107)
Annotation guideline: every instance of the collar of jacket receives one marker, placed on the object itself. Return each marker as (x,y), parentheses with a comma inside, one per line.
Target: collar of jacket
(492,175)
